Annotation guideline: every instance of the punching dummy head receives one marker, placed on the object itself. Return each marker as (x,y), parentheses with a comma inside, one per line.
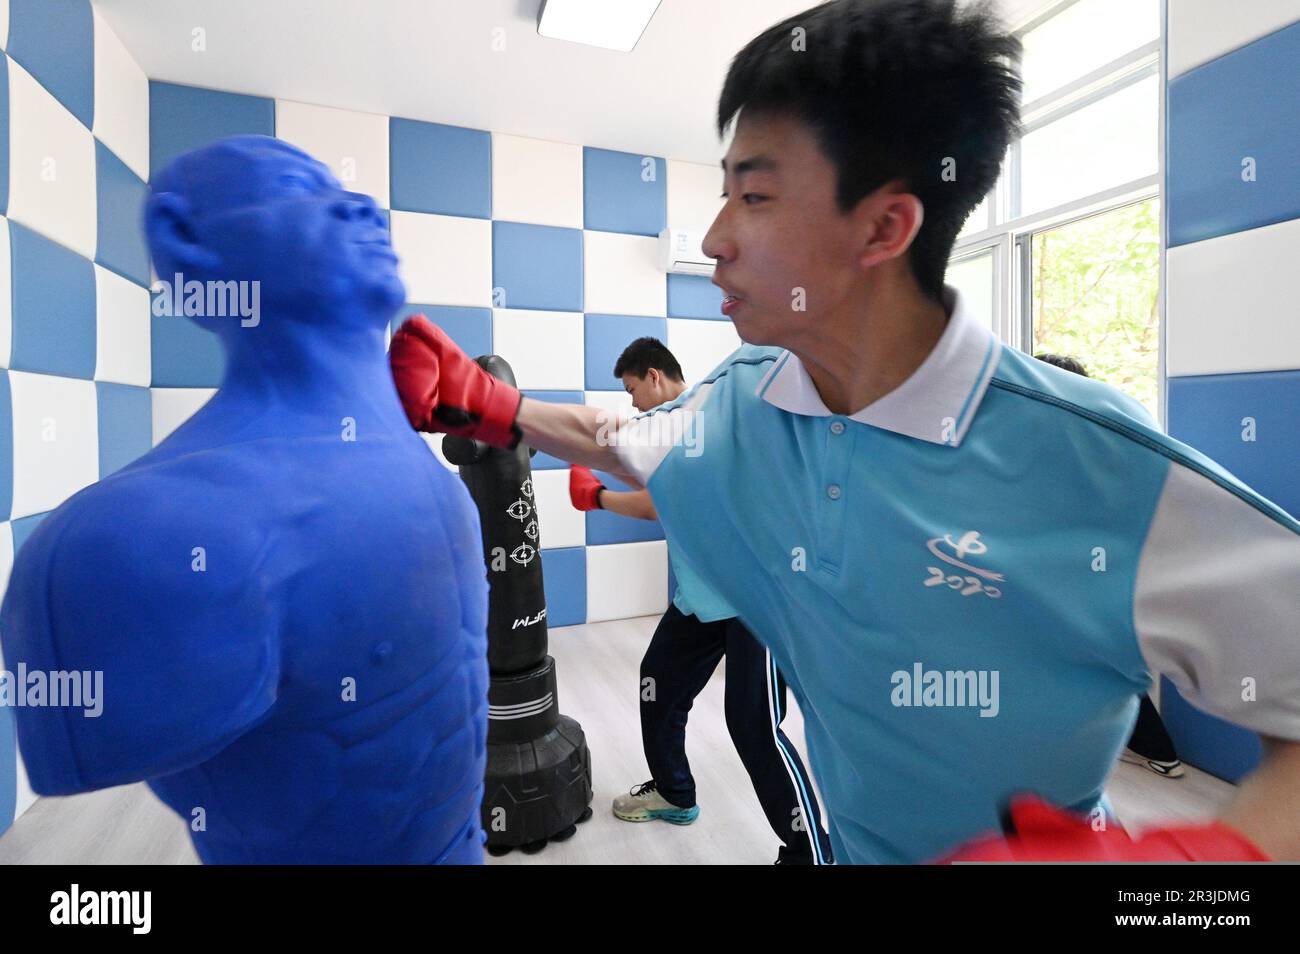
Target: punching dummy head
(254,208)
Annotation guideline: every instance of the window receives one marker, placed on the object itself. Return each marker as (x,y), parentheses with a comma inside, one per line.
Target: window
(1064,254)
(1105,144)
(1083,37)
(980,220)
(1093,284)
(975,279)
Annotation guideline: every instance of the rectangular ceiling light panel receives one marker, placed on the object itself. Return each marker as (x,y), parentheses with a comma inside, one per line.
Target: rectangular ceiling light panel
(612,24)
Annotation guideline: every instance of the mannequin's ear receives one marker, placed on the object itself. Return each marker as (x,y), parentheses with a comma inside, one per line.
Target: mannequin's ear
(168,224)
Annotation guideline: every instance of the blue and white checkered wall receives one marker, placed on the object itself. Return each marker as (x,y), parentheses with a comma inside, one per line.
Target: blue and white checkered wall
(543,252)
(74,299)
(1232,323)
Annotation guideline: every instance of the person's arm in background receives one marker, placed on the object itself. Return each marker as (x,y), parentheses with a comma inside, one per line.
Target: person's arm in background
(630,503)
(587,493)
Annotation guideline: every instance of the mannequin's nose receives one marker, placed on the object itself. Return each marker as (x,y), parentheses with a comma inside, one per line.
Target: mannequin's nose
(357,206)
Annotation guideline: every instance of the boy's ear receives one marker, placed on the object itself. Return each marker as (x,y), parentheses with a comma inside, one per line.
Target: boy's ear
(891,216)
(168,225)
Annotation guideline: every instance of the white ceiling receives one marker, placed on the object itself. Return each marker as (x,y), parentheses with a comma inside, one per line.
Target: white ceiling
(443,61)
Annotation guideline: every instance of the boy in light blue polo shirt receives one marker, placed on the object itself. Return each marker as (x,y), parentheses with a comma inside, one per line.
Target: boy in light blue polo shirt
(967,580)
(965,562)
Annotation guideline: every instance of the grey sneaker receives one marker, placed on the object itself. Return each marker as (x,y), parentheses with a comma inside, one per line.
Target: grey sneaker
(1173,769)
(644,803)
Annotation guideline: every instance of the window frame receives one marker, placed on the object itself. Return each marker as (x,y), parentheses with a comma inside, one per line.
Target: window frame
(1011,234)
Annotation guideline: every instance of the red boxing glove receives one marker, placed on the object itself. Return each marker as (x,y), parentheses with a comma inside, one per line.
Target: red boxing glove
(584,488)
(444,390)
(1046,833)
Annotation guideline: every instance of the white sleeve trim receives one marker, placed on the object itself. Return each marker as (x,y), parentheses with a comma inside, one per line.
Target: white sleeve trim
(1217,602)
(642,442)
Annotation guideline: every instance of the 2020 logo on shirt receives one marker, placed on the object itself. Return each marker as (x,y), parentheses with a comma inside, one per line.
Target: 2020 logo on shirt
(971,581)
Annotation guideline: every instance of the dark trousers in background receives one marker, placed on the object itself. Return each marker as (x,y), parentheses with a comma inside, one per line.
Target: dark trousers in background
(681,657)
(1150,738)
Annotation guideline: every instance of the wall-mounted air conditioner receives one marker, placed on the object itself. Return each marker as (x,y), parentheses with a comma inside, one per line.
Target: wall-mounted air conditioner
(681,252)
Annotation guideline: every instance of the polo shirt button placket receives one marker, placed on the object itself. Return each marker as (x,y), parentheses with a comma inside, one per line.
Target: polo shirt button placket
(835,471)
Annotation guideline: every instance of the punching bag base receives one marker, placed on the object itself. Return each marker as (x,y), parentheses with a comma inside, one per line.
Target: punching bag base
(536,791)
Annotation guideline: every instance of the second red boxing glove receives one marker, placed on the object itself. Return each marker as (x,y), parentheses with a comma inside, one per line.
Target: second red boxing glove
(444,390)
(584,488)
(1043,832)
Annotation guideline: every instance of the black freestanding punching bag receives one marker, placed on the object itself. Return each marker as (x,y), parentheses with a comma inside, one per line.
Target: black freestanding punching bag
(538,784)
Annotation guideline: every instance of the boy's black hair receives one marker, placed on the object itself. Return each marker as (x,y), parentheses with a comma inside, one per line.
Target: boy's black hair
(1065,362)
(893,89)
(646,353)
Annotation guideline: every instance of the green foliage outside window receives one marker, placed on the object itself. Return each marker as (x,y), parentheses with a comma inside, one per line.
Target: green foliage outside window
(1095,286)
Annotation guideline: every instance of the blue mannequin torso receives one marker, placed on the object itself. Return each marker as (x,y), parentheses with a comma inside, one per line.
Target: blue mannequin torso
(395,745)
(288,603)
(293,522)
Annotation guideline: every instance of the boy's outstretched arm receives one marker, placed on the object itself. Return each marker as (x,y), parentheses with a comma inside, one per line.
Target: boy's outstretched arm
(573,432)
(586,492)
(445,391)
